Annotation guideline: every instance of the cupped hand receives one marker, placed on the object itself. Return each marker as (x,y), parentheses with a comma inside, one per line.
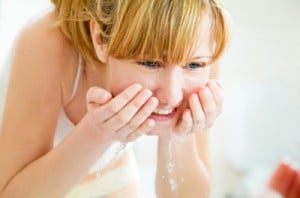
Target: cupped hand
(123,117)
(204,107)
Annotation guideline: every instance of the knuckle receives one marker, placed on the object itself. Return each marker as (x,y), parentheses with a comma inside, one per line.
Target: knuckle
(132,125)
(199,123)
(127,96)
(136,103)
(122,118)
(112,109)
(210,124)
(211,109)
(200,118)
(145,112)
(185,127)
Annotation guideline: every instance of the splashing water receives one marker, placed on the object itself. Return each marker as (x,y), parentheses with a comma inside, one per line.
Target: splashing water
(171,166)
(172,184)
(99,174)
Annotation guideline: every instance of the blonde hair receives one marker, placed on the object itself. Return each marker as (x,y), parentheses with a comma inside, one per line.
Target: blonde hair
(160,29)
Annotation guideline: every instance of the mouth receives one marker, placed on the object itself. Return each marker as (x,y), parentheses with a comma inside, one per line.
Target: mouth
(163,114)
(163,111)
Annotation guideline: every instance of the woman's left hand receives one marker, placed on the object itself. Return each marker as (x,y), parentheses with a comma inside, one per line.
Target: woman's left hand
(204,107)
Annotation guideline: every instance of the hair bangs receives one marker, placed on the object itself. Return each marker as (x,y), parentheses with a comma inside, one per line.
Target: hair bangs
(166,31)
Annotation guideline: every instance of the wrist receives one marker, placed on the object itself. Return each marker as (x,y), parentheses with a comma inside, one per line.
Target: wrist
(91,131)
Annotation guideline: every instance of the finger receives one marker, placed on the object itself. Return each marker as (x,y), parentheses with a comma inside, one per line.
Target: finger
(208,105)
(139,117)
(96,96)
(217,94)
(185,124)
(197,111)
(218,82)
(146,127)
(126,114)
(117,103)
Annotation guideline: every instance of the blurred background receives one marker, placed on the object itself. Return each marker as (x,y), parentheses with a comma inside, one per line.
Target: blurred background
(261,78)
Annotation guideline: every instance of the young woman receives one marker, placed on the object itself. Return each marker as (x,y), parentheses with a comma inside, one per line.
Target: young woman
(91,76)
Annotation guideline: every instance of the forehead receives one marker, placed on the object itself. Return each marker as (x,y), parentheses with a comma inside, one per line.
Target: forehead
(203,45)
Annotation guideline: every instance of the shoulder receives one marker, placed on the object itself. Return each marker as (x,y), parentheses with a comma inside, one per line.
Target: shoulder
(39,64)
(47,53)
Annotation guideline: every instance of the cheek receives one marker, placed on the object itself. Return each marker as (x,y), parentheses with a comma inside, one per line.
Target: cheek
(195,82)
(122,80)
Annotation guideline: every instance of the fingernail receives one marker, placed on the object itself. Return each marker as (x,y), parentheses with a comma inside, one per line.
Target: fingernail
(102,94)
(97,93)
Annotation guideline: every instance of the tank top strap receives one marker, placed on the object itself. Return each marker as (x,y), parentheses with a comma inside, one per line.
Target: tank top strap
(77,78)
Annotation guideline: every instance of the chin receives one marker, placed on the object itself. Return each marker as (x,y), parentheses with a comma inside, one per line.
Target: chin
(161,128)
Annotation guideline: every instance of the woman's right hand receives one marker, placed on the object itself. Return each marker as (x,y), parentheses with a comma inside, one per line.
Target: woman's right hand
(122,118)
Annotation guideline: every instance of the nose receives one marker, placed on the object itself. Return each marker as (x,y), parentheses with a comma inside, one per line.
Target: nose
(170,87)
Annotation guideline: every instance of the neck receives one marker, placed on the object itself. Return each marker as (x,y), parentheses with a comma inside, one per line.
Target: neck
(96,74)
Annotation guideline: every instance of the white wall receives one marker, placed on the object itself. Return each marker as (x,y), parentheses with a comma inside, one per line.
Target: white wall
(13,15)
(261,76)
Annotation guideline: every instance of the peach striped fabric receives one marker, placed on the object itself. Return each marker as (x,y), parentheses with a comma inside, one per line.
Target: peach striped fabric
(118,178)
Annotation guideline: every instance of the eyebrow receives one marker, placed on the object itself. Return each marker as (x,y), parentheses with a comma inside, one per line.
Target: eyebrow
(201,57)
(198,57)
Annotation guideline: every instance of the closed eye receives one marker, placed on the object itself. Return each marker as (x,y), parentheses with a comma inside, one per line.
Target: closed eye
(150,64)
(194,66)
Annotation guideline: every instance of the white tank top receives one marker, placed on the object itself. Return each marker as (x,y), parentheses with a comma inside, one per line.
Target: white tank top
(64,126)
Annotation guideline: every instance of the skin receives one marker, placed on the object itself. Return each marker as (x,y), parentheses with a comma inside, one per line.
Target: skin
(184,86)
(103,111)
(197,99)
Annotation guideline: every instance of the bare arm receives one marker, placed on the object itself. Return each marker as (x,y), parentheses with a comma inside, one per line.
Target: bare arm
(180,171)
(29,168)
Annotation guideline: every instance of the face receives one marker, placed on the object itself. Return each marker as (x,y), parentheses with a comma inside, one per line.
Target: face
(170,84)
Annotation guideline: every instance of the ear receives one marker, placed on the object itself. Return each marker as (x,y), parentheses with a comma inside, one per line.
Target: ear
(99,46)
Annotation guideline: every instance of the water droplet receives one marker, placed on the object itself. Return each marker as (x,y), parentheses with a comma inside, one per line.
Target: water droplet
(172,184)
(99,174)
